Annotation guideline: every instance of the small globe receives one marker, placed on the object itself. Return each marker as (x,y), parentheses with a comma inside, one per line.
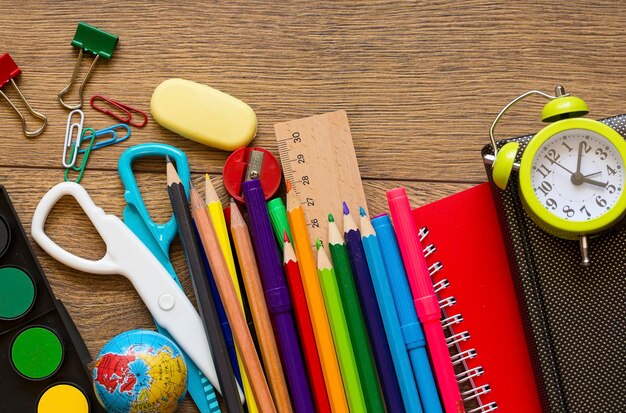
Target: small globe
(140,371)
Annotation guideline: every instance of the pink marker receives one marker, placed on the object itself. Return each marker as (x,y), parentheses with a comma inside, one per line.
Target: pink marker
(424,297)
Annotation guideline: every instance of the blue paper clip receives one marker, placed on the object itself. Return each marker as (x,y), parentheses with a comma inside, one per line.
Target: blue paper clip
(158,238)
(111,130)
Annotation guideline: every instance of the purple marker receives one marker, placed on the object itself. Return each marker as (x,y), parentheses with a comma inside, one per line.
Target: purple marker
(371,313)
(277,295)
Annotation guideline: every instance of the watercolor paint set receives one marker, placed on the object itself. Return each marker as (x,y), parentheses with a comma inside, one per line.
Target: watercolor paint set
(43,359)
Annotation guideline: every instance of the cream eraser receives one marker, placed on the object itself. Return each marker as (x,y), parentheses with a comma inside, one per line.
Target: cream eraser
(203,114)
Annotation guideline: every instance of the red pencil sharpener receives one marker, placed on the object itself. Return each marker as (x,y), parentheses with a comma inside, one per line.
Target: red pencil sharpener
(235,171)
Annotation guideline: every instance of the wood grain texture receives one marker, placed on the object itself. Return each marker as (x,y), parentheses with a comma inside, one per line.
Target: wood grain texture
(420,81)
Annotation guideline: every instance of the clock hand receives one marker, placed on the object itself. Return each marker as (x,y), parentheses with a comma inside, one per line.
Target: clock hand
(596,183)
(580,156)
(558,164)
(593,174)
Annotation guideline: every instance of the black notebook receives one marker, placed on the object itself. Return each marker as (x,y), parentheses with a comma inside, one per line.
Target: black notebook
(574,317)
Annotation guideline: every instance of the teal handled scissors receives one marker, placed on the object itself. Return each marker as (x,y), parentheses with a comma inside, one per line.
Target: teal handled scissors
(158,238)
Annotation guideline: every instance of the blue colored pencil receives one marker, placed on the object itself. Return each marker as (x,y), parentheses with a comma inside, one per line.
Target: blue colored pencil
(373,320)
(399,354)
(413,334)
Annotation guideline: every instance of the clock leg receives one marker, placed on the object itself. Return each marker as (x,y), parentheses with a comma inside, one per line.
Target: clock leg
(584,250)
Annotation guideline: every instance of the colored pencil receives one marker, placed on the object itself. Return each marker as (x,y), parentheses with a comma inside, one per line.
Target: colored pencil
(303,321)
(262,321)
(371,313)
(315,301)
(233,396)
(380,281)
(216,212)
(354,317)
(221,314)
(413,335)
(341,336)
(232,304)
(424,297)
(277,295)
(244,296)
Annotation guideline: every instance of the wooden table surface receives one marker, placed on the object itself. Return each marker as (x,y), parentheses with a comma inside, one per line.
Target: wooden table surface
(421,82)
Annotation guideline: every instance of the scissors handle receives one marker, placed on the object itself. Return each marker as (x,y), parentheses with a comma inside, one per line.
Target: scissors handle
(163,233)
(128,256)
(105,265)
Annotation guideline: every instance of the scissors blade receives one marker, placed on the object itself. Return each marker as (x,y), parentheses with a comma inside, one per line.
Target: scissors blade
(200,389)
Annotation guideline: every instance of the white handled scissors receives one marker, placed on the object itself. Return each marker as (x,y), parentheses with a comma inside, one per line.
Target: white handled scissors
(128,256)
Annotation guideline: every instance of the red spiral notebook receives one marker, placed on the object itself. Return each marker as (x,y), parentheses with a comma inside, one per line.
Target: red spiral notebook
(469,254)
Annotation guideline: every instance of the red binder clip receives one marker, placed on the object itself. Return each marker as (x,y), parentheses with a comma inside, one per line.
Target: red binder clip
(126,110)
(8,71)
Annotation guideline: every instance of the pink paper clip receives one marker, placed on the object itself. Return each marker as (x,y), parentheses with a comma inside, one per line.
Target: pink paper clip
(127,110)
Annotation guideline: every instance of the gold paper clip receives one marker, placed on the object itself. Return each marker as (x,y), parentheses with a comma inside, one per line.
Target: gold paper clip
(8,71)
(92,40)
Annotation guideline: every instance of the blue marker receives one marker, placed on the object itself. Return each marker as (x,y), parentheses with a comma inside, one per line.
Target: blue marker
(158,238)
(399,354)
(411,328)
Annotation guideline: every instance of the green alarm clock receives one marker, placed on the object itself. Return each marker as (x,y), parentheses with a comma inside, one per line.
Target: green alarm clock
(571,173)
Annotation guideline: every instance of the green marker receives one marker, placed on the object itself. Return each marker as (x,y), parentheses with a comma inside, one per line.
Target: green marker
(339,329)
(354,317)
(280,223)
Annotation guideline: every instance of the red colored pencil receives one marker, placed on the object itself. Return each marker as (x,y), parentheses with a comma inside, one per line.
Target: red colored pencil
(305,328)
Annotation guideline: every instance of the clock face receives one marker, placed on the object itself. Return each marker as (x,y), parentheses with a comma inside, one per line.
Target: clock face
(577,175)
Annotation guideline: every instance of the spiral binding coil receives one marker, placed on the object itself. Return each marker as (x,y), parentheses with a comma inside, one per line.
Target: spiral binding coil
(454,338)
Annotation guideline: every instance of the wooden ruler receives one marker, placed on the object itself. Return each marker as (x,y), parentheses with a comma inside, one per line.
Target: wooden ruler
(318,158)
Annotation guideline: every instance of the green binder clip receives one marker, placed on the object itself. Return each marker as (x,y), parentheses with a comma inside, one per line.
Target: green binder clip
(92,40)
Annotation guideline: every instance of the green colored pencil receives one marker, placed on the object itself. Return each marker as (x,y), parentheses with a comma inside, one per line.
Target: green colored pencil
(339,328)
(354,317)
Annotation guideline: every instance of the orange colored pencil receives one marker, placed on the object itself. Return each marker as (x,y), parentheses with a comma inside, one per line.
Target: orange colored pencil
(234,312)
(315,302)
(258,308)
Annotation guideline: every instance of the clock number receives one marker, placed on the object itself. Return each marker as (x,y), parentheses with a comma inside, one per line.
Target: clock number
(584,209)
(567,146)
(568,211)
(602,154)
(552,156)
(551,203)
(545,187)
(611,189)
(610,170)
(544,171)
(585,146)
(601,201)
